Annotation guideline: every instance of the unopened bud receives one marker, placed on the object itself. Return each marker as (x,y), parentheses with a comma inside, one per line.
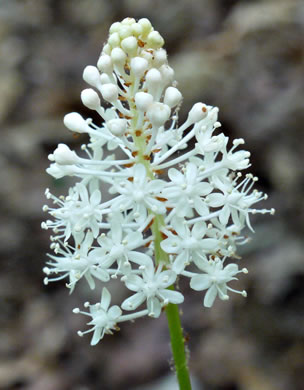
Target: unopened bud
(129,45)
(155,40)
(75,122)
(172,97)
(143,100)
(91,75)
(198,112)
(158,114)
(63,155)
(90,99)
(117,126)
(139,66)
(109,92)
(104,64)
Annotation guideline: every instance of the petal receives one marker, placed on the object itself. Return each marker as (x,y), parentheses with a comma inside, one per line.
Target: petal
(224,215)
(134,240)
(191,173)
(105,299)
(171,245)
(199,230)
(95,198)
(216,200)
(139,173)
(172,296)
(83,192)
(200,206)
(133,282)
(203,188)
(176,176)
(166,278)
(200,282)
(90,280)
(209,244)
(114,312)
(139,258)
(180,261)
(97,335)
(154,307)
(210,296)
(231,269)
(134,301)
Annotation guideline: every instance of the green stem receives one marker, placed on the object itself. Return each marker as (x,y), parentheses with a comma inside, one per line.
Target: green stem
(178,346)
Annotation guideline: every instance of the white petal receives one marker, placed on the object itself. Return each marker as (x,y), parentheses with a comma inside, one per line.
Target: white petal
(105,299)
(154,307)
(172,296)
(134,301)
(199,230)
(200,282)
(224,215)
(114,312)
(176,176)
(95,198)
(171,245)
(216,200)
(210,296)
(133,282)
(97,336)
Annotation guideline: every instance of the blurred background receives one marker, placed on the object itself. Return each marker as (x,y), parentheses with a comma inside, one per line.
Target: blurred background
(247,58)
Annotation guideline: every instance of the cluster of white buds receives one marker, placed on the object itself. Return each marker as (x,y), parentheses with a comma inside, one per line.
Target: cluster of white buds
(170,207)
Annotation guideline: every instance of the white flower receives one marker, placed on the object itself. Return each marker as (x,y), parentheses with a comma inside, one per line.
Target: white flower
(186,191)
(215,280)
(152,287)
(104,317)
(139,194)
(119,246)
(75,265)
(78,212)
(186,243)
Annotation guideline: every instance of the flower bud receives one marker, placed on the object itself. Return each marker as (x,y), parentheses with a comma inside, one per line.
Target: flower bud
(63,155)
(167,74)
(106,49)
(75,122)
(124,31)
(160,57)
(128,21)
(143,100)
(172,97)
(198,112)
(105,79)
(117,126)
(104,64)
(153,80)
(158,114)
(90,99)
(136,29)
(155,40)
(109,92)
(91,75)
(118,56)
(146,26)
(115,27)
(139,66)
(114,40)
(129,45)
(59,171)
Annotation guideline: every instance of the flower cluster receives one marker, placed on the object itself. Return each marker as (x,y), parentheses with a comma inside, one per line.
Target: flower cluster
(173,211)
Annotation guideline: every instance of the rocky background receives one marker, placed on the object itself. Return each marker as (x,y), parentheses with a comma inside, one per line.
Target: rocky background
(247,57)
